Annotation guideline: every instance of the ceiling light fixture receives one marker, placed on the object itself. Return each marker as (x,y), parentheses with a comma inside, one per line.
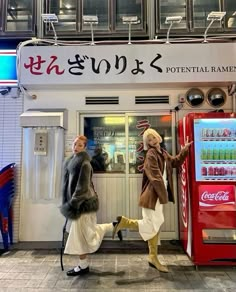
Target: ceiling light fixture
(130,20)
(90,19)
(213,16)
(51,18)
(171,20)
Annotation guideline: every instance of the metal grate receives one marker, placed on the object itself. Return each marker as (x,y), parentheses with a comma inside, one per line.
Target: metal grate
(152,99)
(101,100)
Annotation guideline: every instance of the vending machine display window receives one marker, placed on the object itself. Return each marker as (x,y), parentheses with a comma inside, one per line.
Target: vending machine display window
(215,149)
(219,236)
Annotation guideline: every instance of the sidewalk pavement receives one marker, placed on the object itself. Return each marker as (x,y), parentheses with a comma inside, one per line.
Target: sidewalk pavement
(111,269)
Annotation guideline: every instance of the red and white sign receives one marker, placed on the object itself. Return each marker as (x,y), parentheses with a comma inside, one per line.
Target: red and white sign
(125,64)
(217,197)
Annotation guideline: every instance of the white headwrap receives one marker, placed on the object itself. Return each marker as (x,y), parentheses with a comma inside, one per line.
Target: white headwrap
(150,132)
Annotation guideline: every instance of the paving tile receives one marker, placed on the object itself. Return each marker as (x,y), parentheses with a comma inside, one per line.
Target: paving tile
(48,283)
(232,274)
(17,283)
(192,276)
(33,283)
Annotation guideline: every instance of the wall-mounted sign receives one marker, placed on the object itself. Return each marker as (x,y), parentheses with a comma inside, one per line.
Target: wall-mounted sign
(150,63)
(8,75)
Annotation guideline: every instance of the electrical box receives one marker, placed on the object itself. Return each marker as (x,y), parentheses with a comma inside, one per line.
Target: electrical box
(40,142)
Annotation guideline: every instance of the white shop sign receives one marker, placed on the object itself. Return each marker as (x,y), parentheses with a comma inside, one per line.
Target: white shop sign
(116,64)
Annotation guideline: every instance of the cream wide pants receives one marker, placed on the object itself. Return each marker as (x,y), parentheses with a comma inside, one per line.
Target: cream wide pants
(85,235)
(152,220)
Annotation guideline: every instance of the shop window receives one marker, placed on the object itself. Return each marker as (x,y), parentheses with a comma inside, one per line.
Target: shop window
(137,125)
(20,15)
(201,9)
(71,16)
(98,8)
(230,8)
(67,13)
(106,143)
(172,8)
(129,8)
(216,97)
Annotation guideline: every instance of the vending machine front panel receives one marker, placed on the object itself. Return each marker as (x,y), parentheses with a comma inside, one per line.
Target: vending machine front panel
(215,149)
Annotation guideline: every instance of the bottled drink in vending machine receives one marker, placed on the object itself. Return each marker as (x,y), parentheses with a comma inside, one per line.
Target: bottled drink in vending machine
(203,154)
(222,153)
(204,171)
(233,154)
(234,172)
(216,153)
(209,154)
(227,153)
(210,171)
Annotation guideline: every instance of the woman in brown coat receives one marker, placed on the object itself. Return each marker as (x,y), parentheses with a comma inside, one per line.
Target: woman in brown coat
(157,189)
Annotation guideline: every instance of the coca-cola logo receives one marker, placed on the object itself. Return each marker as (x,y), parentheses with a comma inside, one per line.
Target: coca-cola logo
(212,196)
(219,196)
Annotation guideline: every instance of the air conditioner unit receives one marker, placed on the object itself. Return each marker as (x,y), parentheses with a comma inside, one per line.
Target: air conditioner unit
(44,118)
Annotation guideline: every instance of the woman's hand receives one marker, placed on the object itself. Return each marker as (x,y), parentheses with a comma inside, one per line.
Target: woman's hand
(187,144)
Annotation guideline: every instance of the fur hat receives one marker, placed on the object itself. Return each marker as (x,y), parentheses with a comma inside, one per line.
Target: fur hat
(150,132)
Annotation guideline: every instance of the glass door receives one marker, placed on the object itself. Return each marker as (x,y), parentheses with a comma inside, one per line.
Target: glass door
(116,149)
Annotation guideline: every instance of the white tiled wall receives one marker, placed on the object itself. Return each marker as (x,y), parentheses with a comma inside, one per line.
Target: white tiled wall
(11,106)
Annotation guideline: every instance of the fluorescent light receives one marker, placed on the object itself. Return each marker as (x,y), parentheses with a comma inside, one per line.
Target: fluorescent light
(116,120)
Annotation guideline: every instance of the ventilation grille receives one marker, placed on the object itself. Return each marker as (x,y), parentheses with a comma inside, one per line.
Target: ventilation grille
(152,99)
(102,100)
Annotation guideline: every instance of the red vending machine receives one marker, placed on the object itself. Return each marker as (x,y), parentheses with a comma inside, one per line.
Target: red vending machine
(206,188)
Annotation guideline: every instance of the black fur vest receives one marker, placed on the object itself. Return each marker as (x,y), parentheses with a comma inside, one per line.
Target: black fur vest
(78,194)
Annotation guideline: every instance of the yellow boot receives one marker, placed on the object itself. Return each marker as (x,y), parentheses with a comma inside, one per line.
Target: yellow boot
(123,222)
(152,258)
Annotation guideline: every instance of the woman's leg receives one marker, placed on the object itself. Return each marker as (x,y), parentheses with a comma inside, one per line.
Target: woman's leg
(153,254)
(124,222)
(82,268)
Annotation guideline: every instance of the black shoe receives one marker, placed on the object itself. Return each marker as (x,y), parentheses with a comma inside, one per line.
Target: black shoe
(119,233)
(72,272)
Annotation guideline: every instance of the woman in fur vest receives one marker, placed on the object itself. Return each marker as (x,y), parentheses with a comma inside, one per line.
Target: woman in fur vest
(157,189)
(80,204)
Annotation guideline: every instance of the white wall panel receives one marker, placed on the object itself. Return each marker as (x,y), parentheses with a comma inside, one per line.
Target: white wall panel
(112,196)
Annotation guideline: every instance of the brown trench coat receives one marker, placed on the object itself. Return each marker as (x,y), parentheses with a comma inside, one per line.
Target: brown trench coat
(153,186)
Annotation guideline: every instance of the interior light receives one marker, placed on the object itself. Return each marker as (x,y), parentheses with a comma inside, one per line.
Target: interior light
(116,120)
